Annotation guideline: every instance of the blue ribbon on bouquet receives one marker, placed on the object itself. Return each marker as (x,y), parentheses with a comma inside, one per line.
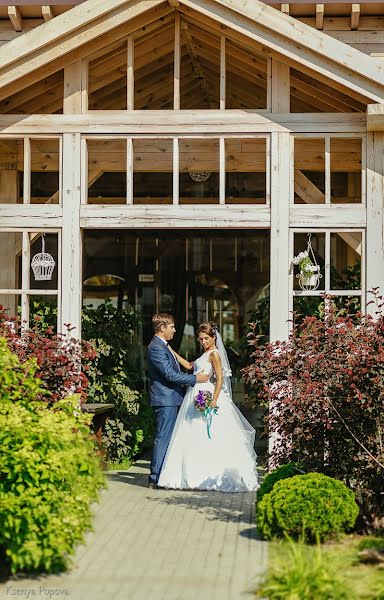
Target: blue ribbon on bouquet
(208,415)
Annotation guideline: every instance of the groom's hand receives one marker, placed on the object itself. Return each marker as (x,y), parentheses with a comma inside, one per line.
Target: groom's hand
(202,377)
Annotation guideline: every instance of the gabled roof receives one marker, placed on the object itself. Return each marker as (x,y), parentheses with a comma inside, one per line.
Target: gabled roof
(91,25)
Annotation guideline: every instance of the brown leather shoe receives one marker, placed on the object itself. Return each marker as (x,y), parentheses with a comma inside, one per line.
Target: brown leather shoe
(153,486)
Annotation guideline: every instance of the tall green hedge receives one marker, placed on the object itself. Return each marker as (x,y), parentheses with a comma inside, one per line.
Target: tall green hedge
(49,474)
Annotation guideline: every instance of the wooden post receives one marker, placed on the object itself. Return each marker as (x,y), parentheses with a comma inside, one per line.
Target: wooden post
(280,185)
(375,215)
(177,65)
(280,88)
(130,75)
(71,287)
(73,82)
(279,261)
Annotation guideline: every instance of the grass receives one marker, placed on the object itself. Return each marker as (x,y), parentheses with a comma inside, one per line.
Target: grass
(121,465)
(329,572)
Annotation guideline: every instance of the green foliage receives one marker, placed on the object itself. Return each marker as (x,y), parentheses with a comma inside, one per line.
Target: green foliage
(283,472)
(43,313)
(115,375)
(299,572)
(115,334)
(18,382)
(49,474)
(313,506)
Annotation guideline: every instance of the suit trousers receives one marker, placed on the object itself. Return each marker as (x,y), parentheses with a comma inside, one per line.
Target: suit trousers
(165,422)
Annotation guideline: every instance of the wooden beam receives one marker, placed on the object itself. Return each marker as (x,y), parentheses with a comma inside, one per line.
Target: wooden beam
(183,121)
(47,12)
(284,8)
(355,16)
(294,41)
(45,49)
(15,17)
(319,16)
(174,3)
(166,216)
(197,67)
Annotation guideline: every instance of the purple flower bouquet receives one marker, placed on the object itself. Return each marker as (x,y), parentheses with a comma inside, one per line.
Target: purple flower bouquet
(203,403)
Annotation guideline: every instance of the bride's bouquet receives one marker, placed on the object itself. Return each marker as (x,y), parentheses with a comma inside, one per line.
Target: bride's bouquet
(203,403)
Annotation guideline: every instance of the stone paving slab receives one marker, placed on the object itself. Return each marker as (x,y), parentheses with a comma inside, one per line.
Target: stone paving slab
(159,545)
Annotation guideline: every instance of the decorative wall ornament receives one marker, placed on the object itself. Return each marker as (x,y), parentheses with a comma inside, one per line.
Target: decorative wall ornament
(309,276)
(43,263)
(199,176)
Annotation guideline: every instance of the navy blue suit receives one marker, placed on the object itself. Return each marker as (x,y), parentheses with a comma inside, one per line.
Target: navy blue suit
(166,394)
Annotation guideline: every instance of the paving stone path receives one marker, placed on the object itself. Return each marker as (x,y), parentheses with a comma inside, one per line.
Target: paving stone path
(159,545)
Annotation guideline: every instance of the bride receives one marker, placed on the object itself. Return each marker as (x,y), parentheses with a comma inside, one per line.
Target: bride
(210,456)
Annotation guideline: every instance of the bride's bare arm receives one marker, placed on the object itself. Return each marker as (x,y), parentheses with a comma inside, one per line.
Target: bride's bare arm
(215,360)
(184,363)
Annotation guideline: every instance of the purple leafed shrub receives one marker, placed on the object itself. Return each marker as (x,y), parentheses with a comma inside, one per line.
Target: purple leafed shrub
(325,391)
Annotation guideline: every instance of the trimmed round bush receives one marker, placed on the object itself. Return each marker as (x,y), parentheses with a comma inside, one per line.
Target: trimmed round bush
(313,506)
(283,472)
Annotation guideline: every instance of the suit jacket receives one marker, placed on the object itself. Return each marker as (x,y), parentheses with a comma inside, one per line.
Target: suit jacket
(166,381)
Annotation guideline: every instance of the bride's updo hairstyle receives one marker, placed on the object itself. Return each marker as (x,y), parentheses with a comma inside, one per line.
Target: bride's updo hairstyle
(208,327)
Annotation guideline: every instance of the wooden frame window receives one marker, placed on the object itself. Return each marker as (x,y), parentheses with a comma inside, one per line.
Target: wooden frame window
(328,169)
(30,170)
(176,170)
(340,253)
(20,293)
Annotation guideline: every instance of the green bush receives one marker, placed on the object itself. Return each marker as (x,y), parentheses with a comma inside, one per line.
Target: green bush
(313,506)
(49,474)
(283,472)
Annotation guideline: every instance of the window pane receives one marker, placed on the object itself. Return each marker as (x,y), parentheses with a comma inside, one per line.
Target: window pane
(51,247)
(10,268)
(318,246)
(200,68)
(307,306)
(107,171)
(107,79)
(43,311)
(11,171)
(45,175)
(345,170)
(346,260)
(246,77)
(152,171)
(348,305)
(309,171)
(199,171)
(245,164)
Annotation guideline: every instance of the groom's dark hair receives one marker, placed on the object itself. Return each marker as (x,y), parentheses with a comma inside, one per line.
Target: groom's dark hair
(161,320)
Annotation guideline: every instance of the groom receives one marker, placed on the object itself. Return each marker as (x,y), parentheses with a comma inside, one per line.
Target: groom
(166,388)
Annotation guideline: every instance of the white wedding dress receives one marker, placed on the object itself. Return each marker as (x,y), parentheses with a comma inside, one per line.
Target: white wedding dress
(226,462)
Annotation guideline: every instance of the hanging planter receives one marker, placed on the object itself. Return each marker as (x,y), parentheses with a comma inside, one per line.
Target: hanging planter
(43,264)
(309,276)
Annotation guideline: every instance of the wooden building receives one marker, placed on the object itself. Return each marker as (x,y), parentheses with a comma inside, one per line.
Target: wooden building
(176,153)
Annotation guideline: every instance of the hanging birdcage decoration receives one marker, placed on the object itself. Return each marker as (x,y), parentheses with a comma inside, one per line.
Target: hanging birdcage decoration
(309,276)
(43,263)
(199,176)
